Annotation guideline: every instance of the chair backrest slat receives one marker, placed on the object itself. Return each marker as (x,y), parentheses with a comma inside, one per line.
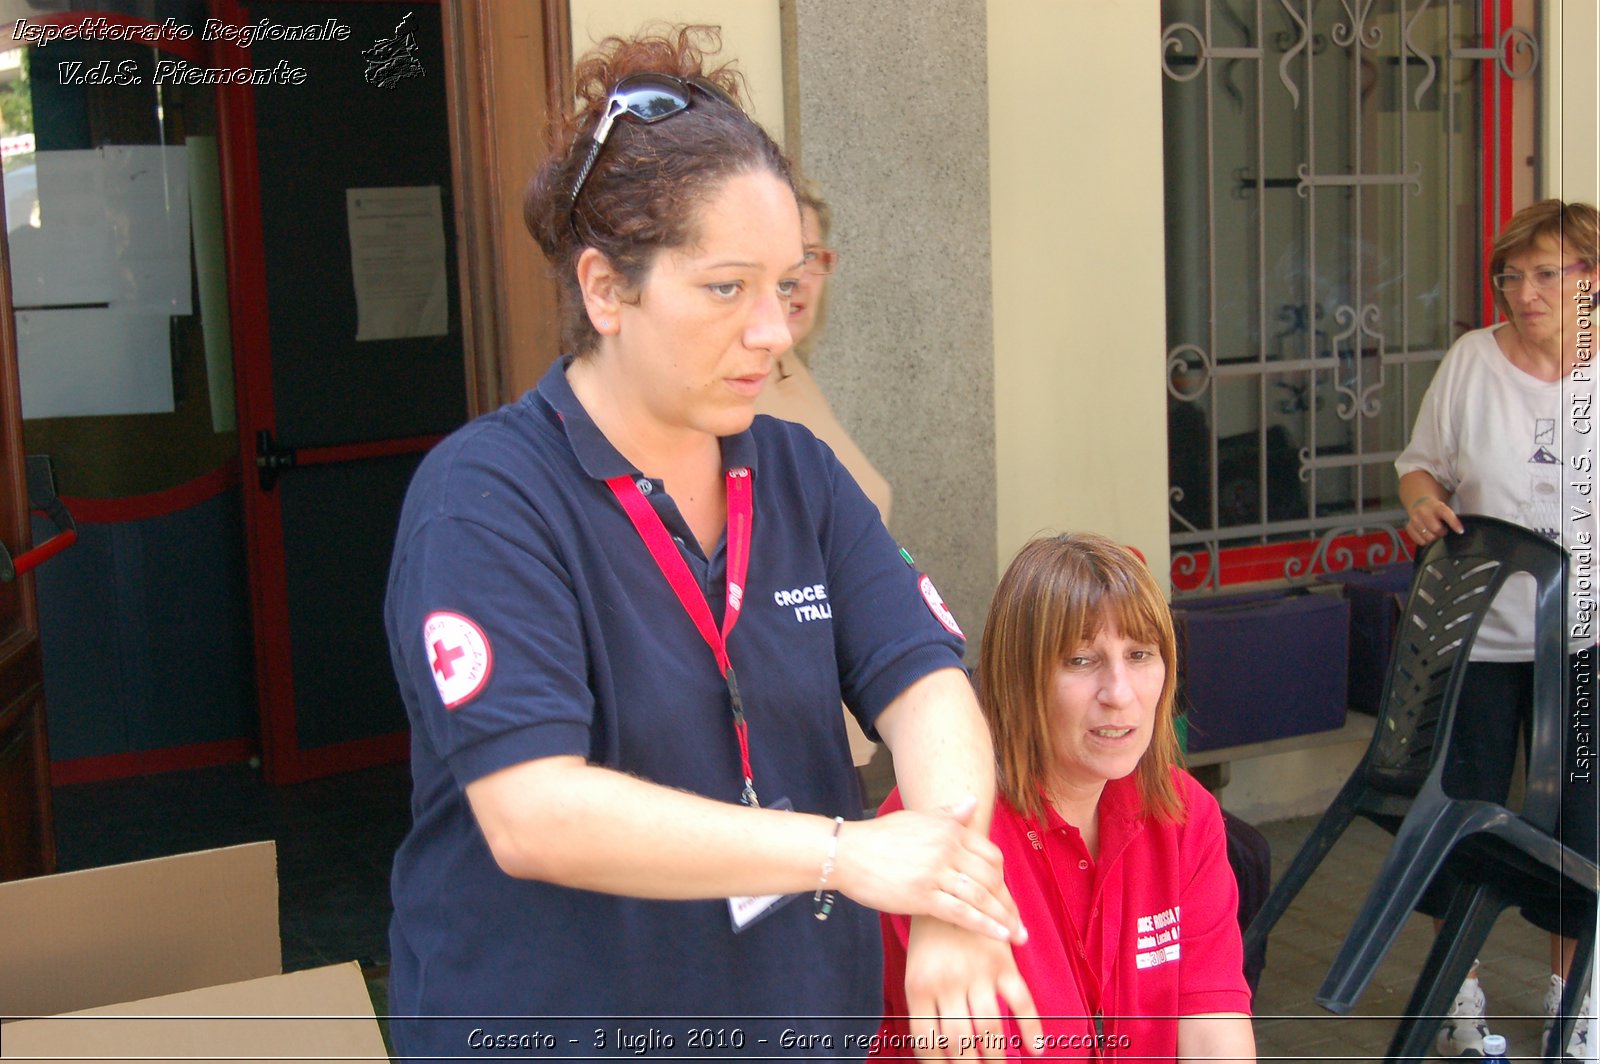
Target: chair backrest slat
(1456,581)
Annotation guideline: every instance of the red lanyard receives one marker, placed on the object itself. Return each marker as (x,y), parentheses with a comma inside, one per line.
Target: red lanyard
(665,552)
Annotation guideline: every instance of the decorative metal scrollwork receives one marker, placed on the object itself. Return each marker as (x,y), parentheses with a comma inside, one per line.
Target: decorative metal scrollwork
(1175,495)
(1366,402)
(1170,43)
(1346,34)
(1411,46)
(1204,53)
(1299,46)
(1330,559)
(1369,69)
(1186,564)
(1412,178)
(1515,39)
(1178,361)
(1520,41)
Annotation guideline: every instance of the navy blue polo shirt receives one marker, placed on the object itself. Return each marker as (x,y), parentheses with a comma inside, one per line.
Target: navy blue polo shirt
(527,619)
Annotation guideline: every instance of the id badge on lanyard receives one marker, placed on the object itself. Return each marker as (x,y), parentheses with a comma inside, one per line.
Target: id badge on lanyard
(661,547)
(743,911)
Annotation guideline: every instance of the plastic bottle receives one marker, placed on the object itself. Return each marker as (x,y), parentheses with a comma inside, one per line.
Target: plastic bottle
(1494,1047)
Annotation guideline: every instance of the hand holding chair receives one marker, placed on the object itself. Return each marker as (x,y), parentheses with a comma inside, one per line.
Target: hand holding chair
(1499,857)
(1435,633)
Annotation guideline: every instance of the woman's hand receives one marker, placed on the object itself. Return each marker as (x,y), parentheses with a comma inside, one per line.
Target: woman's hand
(958,979)
(929,864)
(1429,519)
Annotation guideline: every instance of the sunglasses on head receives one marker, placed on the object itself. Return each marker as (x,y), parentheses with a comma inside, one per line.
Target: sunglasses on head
(645,98)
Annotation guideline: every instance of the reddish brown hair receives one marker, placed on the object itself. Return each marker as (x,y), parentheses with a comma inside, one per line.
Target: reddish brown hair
(1056,595)
(649,180)
(1569,226)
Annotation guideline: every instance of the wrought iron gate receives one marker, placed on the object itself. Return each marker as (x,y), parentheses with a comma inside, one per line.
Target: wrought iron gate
(1331,165)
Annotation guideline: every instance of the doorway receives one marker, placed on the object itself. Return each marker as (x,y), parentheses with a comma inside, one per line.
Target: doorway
(239,328)
(231,571)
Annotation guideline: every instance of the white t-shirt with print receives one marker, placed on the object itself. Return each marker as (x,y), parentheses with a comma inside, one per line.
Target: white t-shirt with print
(1508,445)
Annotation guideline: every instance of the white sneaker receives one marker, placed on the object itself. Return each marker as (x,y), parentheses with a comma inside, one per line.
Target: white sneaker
(1465,1028)
(1578,1045)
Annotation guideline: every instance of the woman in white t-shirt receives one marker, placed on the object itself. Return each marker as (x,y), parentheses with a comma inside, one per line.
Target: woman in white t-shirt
(1501,430)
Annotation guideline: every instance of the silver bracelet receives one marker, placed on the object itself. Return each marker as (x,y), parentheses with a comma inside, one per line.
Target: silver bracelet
(822,900)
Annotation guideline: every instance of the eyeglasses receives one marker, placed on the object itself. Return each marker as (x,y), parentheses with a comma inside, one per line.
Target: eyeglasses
(1543,277)
(820,259)
(646,98)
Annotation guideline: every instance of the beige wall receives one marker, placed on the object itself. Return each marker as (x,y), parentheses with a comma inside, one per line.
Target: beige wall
(1571,129)
(750,34)
(1079,298)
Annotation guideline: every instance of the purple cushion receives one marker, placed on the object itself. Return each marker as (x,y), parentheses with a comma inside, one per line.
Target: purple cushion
(1262,666)
(1377,597)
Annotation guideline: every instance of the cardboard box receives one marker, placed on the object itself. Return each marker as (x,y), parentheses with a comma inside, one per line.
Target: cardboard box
(175,958)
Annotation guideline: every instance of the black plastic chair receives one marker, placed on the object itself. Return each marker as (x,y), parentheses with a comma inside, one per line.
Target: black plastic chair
(1445,606)
(1498,857)
(1500,863)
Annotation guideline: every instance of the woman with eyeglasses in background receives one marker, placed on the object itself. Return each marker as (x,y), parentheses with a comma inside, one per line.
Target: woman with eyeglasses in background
(623,613)
(1496,435)
(792,392)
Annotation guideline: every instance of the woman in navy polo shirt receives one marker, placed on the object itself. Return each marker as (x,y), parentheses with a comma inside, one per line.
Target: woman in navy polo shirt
(623,613)
(1115,855)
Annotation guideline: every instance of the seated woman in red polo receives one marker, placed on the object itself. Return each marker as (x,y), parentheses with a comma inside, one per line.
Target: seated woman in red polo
(1115,855)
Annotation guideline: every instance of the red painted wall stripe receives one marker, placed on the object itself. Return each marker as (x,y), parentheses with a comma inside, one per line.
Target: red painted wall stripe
(86,510)
(313,762)
(146,762)
(354,452)
(1497,114)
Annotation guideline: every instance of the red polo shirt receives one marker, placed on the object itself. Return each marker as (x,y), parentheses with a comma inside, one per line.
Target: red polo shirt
(1145,934)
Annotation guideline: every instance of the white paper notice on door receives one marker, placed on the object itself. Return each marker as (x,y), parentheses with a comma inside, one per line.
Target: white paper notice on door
(397,259)
(94,361)
(66,259)
(147,202)
(113,230)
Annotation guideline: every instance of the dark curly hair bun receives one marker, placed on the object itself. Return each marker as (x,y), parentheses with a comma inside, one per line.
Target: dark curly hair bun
(648,180)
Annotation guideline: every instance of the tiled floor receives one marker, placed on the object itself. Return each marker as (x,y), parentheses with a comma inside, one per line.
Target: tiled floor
(335,839)
(1291,1026)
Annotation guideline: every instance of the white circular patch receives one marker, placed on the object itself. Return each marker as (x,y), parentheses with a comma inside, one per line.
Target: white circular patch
(936,606)
(458,654)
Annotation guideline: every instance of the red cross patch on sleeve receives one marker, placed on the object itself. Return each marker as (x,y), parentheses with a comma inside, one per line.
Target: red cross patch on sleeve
(936,606)
(459,655)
